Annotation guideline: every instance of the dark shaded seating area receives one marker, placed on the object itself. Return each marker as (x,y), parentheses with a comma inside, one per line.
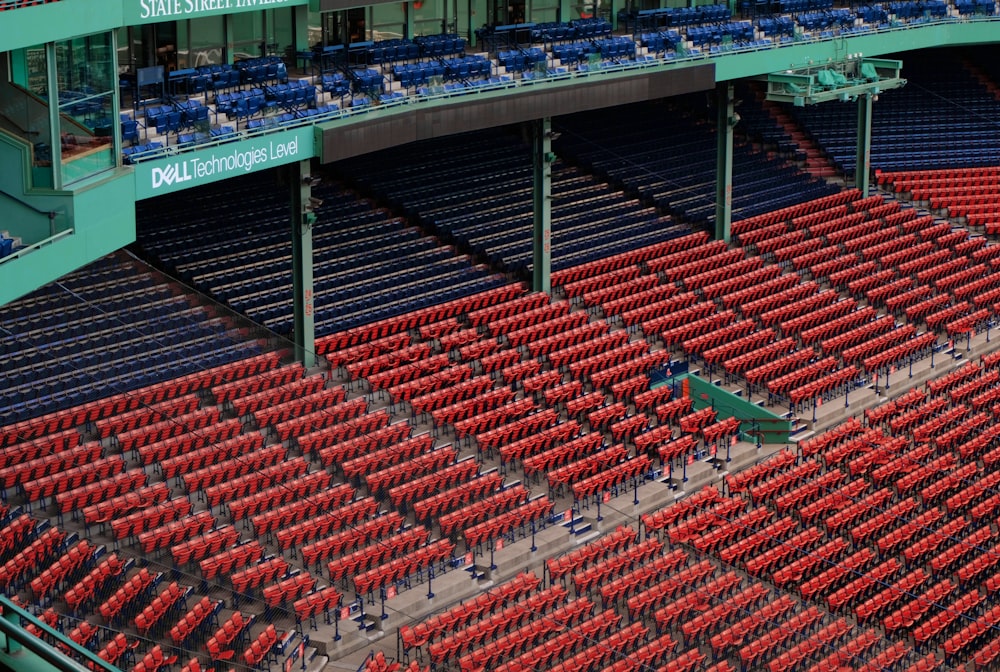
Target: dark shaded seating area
(666,156)
(945,117)
(476,191)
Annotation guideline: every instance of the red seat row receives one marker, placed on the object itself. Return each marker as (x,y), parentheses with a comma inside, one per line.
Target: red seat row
(457,339)
(127,595)
(359,445)
(152,615)
(200,547)
(58,421)
(461,615)
(260,505)
(350,539)
(264,477)
(464,636)
(677,326)
(791,303)
(288,590)
(507,523)
(748,280)
(312,604)
(258,575)
(237,389)
(202,613)
(40,447)
(165,429)
(499,310)
(437,379)
(298,404)
(728,333)
(702,249)
(463,409)
(549,346)
(188,452)
(640,365)
(727,532)
(194,458)
(597,343)
(66,485)
(421,487)
(785,572)
(421,465)
(453,393)
(641,577)
(803,213)
(698,600)
(658,316)
(780,482)
(707,270)
(388,456)
(311,524)
(155,516)
(826,269)
(176,531)
(478,511)
(408,372)
(757,541)
(628,296)
(611,477)
(403,566)
(65,565)
(550,385)
(538,442)
(247,463)
(261,648)
(415,319)
(688,529)
(586,466)
(542,330)
(328,417)
(516,322)
(318,438)
(384,361)
(230,560)
(297,510)
(146,415)
(671,515)
(616,286)
(510,424)
(566,617)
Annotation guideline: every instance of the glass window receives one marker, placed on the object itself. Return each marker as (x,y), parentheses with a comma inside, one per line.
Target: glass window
(281,30)
(248,35)
(208,41)
(428,17)
(388,21)
(86,83)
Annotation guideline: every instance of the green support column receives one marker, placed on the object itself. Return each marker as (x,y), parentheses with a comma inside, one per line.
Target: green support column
(303,219)
(542,158)
(724,161)
(862,169)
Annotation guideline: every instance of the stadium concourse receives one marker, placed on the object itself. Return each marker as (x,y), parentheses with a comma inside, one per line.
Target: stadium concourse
(480,477)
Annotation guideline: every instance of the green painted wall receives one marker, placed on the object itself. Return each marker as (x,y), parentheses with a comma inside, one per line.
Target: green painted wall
(773,428)
(103,221)
(135,12)
(31,26)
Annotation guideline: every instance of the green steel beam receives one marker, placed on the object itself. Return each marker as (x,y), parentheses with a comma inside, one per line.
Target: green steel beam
(862,169)
(542,158)
(303,219)
(724,160)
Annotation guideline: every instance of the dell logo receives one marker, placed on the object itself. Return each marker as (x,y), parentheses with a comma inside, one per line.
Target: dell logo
(172,174)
